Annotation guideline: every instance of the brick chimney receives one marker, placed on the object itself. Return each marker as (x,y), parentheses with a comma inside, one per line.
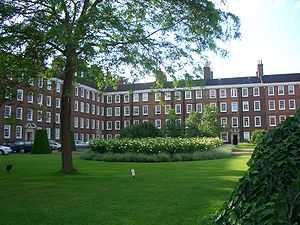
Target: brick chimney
(260,69)
(208,74)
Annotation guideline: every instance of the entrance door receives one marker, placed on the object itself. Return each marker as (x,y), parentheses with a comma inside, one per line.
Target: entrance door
(235,139)
(29,136)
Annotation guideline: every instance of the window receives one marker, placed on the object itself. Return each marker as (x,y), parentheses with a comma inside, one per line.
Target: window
(39,116)
(48,117)
(102,111)
(256,91)
(291,89)
(126,111)
(167,109)
(223,122)
(19,113)
(223,107)
(57,118)
(58,87)
(233,92)
(136,97)
(136,122)
(145,97)
(82,92)
(57,103)
(136,110)
(48,101)
(157,96)
(234,107)
(177,95)
(109,136)
(76,122)
(246,121)
(224,136)
(235,122)
(257,121)
(272,121)
(93,109)
(168,96)
(82,107)
(81,123)
(244,92)
(157,109)
(109,99)
(158,123)
(292,104)
(117,111)
(98,110)
(6,133)
(245,106)
(145,110)
(19,132)
(270,90)
(30,97)
(87,107)
(281,90)
(126,123)
(271,105)
(87,123)
(76,91)
(213,105)
(93,94)
(40,99)
(7,111)
(189,108)
(108,125)
(212,93)
(188,95)
(76,136)
(57,133)
(256,106)
(282,118)
(178,108)
(87,94)
(109,111)
(40,82)
(126,98)
(199,107)
(281,104)
(223,93)
(20,95)
(29,115)
(117,125)
(198,94)
(117,99)
(246,136)
(49,85)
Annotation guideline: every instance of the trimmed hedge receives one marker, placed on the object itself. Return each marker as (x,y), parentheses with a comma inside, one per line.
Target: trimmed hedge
(41,143)
(155,145)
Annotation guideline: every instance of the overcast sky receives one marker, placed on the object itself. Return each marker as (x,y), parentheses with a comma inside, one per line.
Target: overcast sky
(270,31)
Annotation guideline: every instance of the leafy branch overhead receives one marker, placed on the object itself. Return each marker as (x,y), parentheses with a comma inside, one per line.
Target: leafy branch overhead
(147,37)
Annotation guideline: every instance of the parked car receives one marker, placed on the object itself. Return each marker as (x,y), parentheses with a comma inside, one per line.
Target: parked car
(81,144)
(54,145)
(21,146)
(5,150)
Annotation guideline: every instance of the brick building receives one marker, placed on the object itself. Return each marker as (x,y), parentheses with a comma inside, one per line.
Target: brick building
(244,104)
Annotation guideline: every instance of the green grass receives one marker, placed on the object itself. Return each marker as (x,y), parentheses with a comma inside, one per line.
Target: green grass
(103,193)
(247,146)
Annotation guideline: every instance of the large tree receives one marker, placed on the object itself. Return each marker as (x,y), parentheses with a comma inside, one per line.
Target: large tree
(103,38)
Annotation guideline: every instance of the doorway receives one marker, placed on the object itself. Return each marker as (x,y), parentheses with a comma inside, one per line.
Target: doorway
(235,138)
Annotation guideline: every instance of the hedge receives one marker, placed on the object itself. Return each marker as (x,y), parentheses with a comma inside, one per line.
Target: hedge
(41,143)
(155,145)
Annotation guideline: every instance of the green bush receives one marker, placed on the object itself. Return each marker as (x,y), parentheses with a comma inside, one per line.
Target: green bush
(41,143)
(142,130)
(155,145)
(269,193)
(257,136)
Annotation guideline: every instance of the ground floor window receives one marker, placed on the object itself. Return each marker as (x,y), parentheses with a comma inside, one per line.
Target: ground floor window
(224,136)
(246,136)
(7,129)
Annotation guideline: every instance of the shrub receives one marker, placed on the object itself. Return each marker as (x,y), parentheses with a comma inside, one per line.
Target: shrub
(257,136)
(156,145)
(269,193)
(41,143)
(142,130)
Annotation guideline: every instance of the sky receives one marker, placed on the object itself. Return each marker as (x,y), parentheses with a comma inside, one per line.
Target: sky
(270,31)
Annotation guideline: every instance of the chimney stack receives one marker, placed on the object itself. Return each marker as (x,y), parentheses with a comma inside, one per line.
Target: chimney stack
(208,74)
(260,69)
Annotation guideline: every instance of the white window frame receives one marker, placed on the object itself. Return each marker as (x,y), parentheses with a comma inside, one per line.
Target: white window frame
(109,112)
(57,103)
(245,92)
(271,90)
(255,121)
(256,91)
(20,95)
(270,102)
(188,95)
(256,103)
(31,115)
(198,94)
(117,98)
(223,122)
(178,106)
(280,90)
(232,122)
(232,106)
(19,116)
(145,97)
(136,97)
(212,93)
(246,119)
(177,95)
(109,99)
(19,132)
(245,106)
(223,93)
(167,109)
(157,109)
(7,131)
(157,96)
(117,125)
(136,110)
(189,108)
(117,111)
(294,103)
(168,96)
(126,110)
(234,92)
(7,111)
(270,119)
(280,105)
(145,113)
(221,106)
(291,89)
(48,101)
(158,123)
(199,107)
(126,98)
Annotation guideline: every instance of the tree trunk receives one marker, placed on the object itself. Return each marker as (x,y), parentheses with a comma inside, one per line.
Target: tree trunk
(66,110)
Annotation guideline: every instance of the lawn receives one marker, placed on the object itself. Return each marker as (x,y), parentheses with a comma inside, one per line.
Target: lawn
(178,193)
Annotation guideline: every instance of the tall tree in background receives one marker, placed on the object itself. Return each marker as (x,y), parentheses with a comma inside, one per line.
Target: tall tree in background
(173,127)
(210,124)
(193,123)
(91,37)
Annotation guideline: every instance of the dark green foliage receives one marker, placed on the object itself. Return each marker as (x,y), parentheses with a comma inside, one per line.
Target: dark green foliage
(257,136)
(156,145)
(173,127)
(210,125)
(142,130)
(193,123)
(41,143)
(269,193)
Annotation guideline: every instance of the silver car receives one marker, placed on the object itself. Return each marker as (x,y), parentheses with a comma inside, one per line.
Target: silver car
(4,150)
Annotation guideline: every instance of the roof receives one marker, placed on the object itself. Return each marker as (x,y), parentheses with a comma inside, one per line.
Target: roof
(274,78)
